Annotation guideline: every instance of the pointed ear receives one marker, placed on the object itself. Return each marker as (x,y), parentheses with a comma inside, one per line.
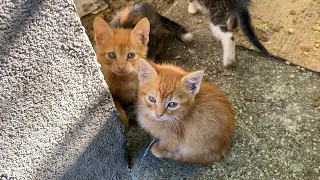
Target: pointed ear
(141,31)
(102,30)
(146,71)
(191,82)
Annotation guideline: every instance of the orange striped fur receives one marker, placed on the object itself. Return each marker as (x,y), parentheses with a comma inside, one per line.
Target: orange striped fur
(121,72)
(199,129)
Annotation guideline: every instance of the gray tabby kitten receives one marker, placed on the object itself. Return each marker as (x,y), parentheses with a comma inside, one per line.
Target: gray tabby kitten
(224,16)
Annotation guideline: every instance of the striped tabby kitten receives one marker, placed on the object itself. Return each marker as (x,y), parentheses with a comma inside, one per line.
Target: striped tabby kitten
(161,27)
(223,16)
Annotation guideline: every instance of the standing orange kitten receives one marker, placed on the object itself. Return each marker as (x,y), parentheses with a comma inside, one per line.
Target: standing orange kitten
(193,120)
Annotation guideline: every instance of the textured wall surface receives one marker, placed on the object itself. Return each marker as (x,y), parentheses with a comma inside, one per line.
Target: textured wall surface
(58,120)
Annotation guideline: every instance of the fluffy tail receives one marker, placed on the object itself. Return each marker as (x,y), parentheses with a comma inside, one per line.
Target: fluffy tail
(177,30)
(247,29)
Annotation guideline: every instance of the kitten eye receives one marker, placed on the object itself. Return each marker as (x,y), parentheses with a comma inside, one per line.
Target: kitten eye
(172,104)
(152,99)
(112,55)
(131,55)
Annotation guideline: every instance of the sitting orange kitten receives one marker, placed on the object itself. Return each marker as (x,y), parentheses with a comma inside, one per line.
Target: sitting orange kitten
(193,120)
(118,52)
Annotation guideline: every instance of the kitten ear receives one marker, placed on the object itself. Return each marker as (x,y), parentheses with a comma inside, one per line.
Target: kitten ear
(141,31)
(101,30)
(146,71)
(192,82)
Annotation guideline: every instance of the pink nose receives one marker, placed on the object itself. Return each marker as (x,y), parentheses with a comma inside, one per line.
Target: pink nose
(158,115)
(121,68)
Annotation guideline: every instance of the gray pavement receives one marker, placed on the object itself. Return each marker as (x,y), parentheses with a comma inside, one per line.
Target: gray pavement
(278,133)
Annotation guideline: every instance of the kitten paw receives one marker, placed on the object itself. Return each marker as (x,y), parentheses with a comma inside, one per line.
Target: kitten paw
(227,71)
(156,151)
(192,8)
(228,61)
(187,37)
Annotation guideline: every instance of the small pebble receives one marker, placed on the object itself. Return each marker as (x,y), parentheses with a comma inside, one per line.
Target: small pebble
(292,75)
(317,45)
(177,57)
(200,21)
(298,67)
(272,138)
(302,69)
(292,12)
(306,53)
(277,29)
(263,39)
(288,62)
(291,31)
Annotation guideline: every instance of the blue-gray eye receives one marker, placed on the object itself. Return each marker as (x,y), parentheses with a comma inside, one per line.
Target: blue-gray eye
(112,55)
(172,104)
(131,55)
(152,99)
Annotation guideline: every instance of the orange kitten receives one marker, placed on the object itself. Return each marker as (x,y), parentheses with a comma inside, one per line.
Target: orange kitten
(118,52)
(193,120)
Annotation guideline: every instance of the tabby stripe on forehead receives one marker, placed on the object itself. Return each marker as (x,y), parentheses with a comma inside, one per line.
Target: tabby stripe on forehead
(167,87)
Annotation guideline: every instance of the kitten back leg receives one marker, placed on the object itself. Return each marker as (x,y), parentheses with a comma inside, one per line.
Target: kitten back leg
(192,9)
(122,112)
(227,39)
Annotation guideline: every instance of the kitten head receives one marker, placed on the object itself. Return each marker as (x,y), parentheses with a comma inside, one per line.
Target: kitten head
(167,92)
(120,50)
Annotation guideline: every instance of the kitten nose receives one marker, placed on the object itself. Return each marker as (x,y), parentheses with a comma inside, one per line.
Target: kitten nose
(158,115)
(121,68)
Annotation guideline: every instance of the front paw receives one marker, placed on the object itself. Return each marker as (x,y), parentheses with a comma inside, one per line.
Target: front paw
(192,8)
(229,58)
(156,151)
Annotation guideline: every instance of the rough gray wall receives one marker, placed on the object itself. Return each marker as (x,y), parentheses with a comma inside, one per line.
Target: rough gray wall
(57,116)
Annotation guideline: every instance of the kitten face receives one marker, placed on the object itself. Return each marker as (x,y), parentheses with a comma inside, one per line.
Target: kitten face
(167,92)
(120,50)
(120,53)
(165,108)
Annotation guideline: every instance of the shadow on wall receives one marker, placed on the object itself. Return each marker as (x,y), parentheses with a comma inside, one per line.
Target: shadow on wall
(104,156)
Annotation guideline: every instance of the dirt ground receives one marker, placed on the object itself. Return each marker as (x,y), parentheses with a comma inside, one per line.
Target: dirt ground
(289,29)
